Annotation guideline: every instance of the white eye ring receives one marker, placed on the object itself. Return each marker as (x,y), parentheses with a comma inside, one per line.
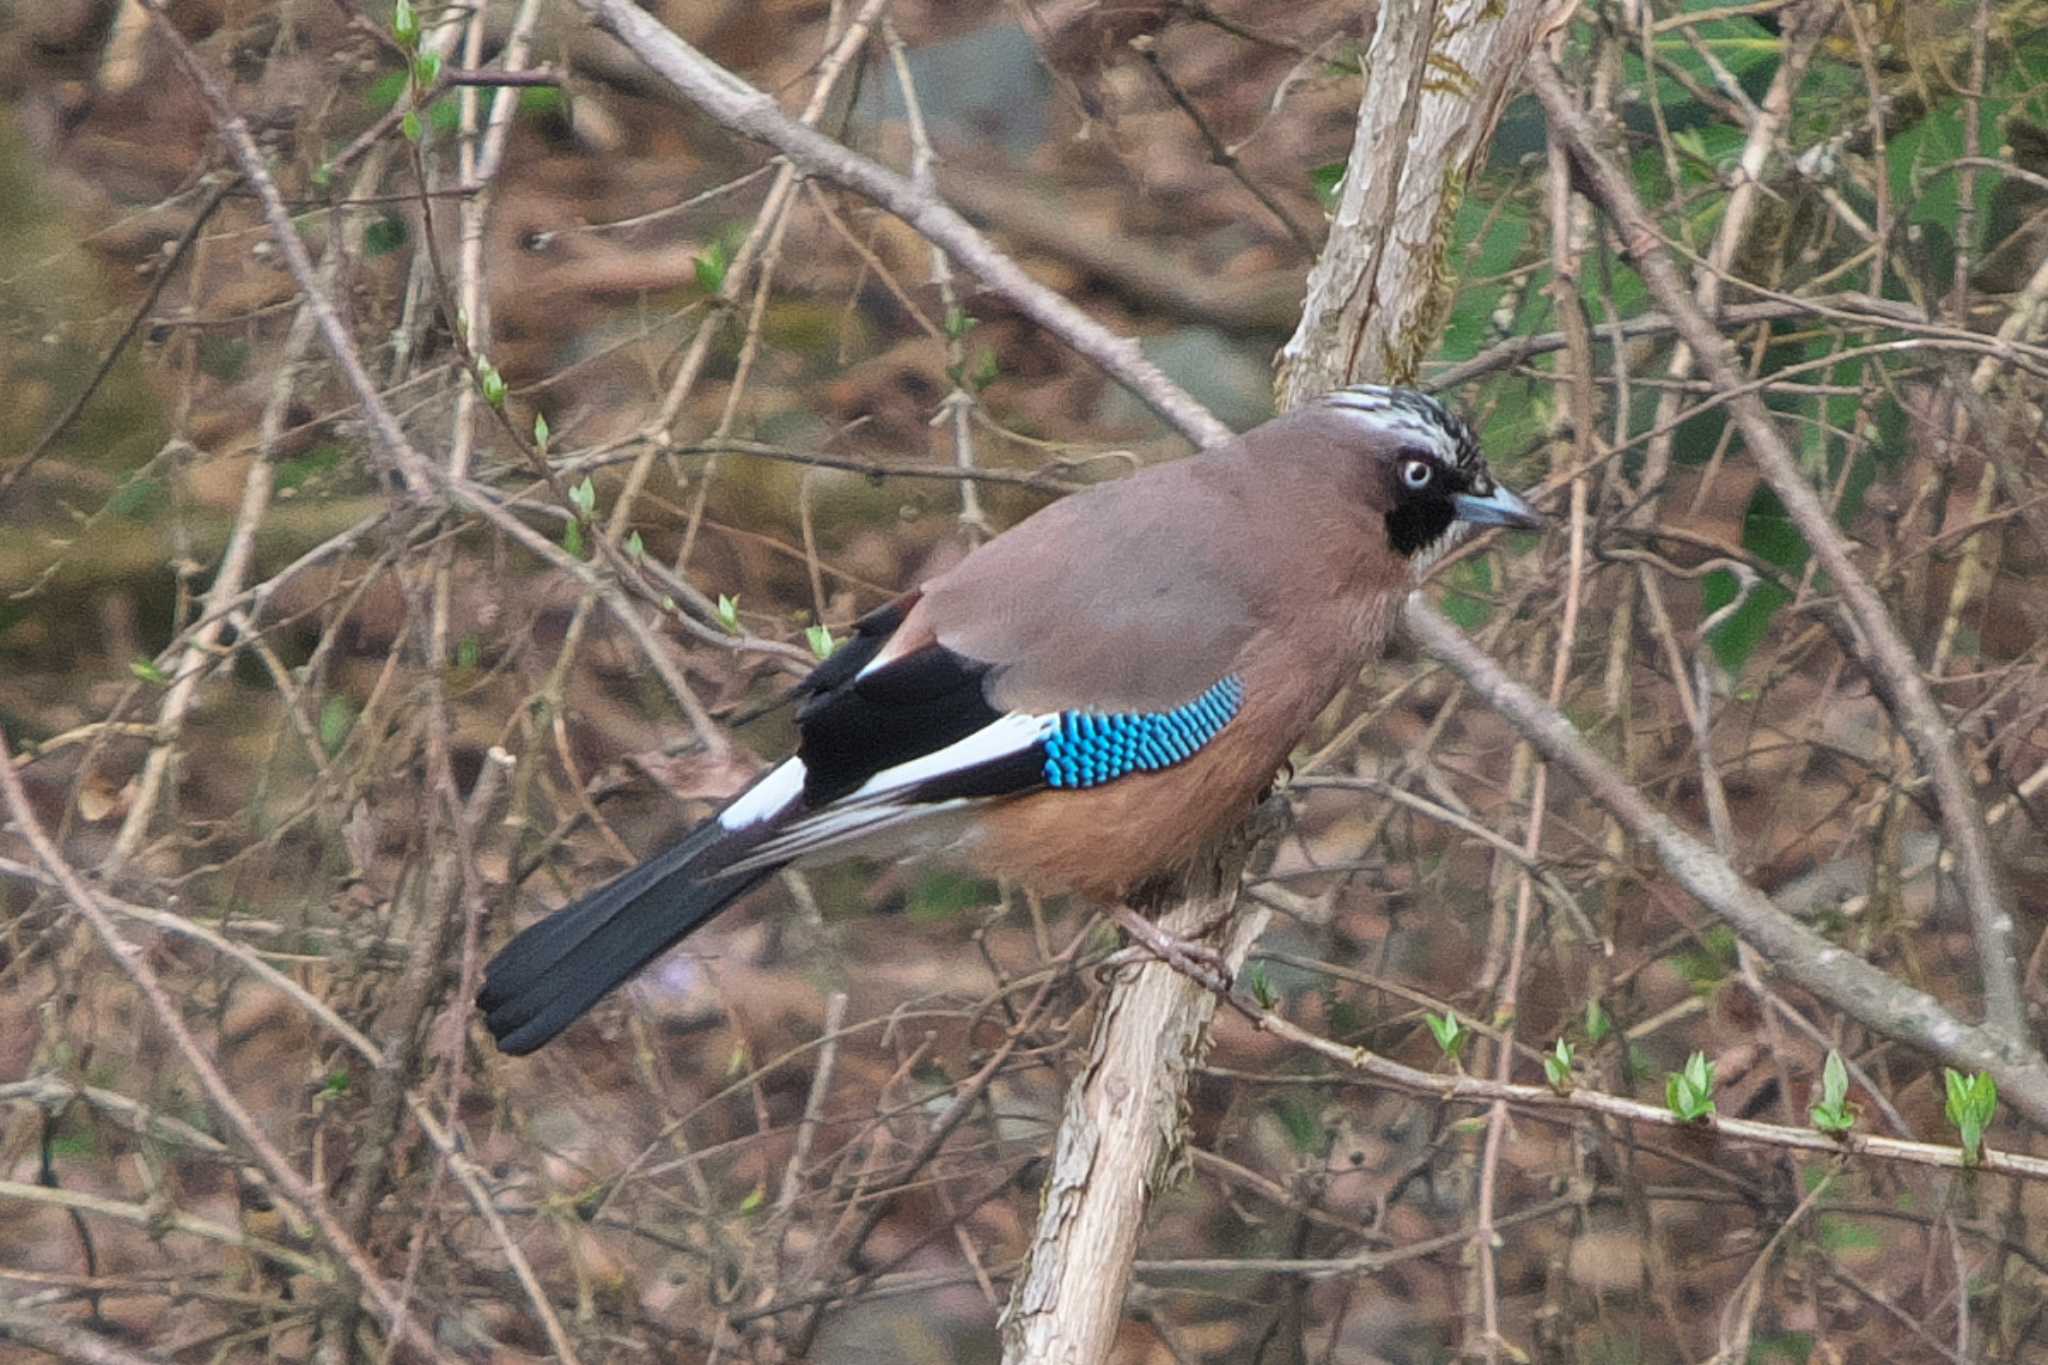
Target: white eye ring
(1417,473)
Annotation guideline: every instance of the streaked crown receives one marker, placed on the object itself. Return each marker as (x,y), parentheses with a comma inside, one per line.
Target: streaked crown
(1419,418)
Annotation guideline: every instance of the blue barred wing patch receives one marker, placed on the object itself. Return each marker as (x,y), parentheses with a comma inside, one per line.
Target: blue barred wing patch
(1088,749)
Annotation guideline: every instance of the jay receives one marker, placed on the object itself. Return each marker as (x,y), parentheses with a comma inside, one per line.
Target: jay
(1083,702)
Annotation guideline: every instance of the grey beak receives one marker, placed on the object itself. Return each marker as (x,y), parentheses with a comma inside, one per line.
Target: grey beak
(1501,507)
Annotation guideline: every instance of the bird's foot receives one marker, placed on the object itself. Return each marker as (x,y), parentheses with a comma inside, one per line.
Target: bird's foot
(1193,959)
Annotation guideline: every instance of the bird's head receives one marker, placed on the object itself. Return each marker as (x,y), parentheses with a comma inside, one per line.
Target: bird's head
(1429,476)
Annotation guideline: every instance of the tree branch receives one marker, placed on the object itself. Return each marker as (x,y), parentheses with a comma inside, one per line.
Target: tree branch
(1122,1129)
(740,107)
(1890,662)
(1829,972)
(1836,975)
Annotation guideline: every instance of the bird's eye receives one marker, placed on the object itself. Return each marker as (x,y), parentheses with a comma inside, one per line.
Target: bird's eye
(1417,473)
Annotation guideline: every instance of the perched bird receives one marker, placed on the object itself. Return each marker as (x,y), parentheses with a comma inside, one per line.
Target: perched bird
(1084,701)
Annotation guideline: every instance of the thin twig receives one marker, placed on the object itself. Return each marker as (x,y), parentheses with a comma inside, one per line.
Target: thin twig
(739,106)
(1891,662)
(309,1200)
(1148,50)
(165,270)
(1852,985)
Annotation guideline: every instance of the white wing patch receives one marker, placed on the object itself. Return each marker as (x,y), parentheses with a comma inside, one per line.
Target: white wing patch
(1012,734)
(871,807)
(767,798)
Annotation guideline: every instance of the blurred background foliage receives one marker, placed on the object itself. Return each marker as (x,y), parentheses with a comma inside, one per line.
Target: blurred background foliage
(323,754)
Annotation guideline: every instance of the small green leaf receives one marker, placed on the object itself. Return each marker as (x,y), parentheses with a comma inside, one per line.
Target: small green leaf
(540,431)
(1689,1093)
(149,673)
(410,125)
(1449,1033)
(387,90)
(1833,1121)
(1598,1025)
(540,101)
(712,266)
(1834,1079)
(1834,1113)
(584,497)
(384,236)
(405,25)
(138,498)
(1328,183)
(1840,1235)
(1984,1095)
(336,1085)
(323,175)
(1260,983)
(1470,587)
(821,642)
(756,1197)
(958,322)
(469,652)
(986,371)
(1972,1104)
(636,549)
(572,538)
(426,69)
(492,383)
(337,718)
(1302,1123)
(1557,1067)
(1709,962)
(729,613)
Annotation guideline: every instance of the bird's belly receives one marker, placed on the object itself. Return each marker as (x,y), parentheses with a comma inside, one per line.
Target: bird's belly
(1105,842)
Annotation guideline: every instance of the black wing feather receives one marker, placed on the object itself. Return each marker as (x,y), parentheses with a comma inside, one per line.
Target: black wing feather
(911,707)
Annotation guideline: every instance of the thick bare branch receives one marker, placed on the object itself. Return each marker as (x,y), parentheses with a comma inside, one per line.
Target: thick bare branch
(1120,1135)
(1381,291)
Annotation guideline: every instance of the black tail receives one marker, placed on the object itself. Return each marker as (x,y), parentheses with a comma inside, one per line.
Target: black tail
(544,979)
